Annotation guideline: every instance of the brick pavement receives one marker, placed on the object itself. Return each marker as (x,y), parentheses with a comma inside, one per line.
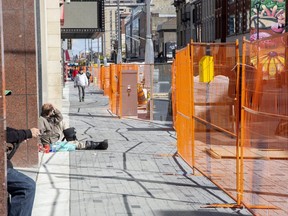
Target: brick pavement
(139,174)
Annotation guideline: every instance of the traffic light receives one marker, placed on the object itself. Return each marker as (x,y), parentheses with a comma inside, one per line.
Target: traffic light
(69,44)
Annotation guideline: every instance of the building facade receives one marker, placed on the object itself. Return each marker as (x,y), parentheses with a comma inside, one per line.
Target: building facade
(212,20)
(111,25)
(135,28)
(166,34)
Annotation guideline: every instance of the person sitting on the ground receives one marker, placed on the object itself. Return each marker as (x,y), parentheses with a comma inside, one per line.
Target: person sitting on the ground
(54,129)
(51,124)
(20,187)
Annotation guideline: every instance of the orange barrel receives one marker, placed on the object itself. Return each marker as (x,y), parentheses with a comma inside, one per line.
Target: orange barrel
(141,95)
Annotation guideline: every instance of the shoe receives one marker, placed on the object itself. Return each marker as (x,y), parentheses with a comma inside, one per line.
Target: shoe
(83,99)
(80,100)
(90,145)
(102,145)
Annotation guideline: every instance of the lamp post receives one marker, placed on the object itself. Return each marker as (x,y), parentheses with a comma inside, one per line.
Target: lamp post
(149,55)
(104,50)
(149,51)
(258,5)
(119,54)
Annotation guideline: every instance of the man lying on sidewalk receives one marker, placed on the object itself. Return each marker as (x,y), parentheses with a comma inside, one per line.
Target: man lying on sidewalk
(54,129)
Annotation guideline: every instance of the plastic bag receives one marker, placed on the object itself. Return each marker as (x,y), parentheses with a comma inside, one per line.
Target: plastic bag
(64,146)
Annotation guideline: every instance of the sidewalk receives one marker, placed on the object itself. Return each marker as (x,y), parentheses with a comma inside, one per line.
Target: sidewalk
(139,174)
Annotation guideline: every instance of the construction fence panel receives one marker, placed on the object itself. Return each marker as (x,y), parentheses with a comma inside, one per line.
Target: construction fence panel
(160,91)
(114,96)
(106,85)
(144,90)
(173,92)
(264,134)
(95,71)
(214,91)
(162,99)
(184,104)
(154,92)
(101,78)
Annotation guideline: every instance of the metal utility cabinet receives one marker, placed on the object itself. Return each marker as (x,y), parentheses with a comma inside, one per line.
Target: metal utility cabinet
(128,92)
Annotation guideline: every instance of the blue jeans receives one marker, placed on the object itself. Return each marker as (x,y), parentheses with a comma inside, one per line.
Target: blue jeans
(81,92)
(22,191)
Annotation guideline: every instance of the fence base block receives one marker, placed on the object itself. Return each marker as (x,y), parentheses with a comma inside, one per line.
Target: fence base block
(231,205)
(224,205)
(261,207)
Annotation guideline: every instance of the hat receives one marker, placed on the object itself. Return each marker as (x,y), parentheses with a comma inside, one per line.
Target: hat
(8,92)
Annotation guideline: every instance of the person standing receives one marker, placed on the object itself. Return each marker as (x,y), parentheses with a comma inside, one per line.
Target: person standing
(74,73)
(81,81)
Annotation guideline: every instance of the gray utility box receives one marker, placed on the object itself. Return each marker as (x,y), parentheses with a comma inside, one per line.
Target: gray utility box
(129,93)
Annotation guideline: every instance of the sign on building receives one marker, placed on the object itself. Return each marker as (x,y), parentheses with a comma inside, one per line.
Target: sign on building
(83,19)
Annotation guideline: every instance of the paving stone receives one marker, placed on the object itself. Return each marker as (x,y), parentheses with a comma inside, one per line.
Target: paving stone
(137,175)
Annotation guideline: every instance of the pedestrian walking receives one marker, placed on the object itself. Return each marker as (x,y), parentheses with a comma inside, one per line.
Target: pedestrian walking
(81,81)
(74,73)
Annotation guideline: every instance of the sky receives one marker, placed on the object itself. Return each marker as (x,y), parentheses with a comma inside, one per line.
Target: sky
(78,45)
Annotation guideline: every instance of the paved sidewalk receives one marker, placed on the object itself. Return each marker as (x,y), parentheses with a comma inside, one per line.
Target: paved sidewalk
(139,174)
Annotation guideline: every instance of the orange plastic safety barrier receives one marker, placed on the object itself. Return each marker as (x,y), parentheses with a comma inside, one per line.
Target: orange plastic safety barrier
(115,97)
(173,93)
(184,104)
(207,111)
(264,134)
(232,119)
(161,74)
(106,80)
(216,113)
(102,78)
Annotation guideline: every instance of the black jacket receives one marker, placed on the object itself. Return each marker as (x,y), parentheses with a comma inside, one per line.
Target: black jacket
(16,136)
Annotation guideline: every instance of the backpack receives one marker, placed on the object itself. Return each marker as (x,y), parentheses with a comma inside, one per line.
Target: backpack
(70,134)
(88,74)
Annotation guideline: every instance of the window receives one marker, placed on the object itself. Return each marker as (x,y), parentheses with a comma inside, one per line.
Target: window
(247,20)
(240,23)
(231,24)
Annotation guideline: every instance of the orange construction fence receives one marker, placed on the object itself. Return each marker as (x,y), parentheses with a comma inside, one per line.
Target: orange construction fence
(106,80)
(264,123)
(184,104)
(232,119)
(114,99)
(161,83)
(173,93)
